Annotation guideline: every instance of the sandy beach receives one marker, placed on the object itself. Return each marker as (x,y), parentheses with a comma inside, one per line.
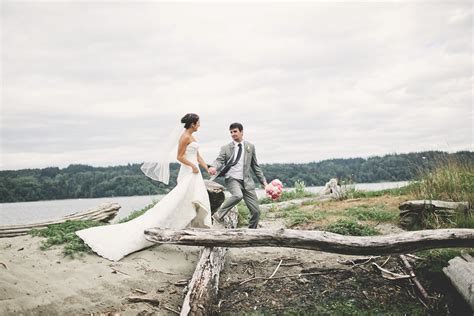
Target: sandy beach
(36,282)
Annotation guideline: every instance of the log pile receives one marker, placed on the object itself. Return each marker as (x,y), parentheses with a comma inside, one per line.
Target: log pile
(103,213)
(415,212)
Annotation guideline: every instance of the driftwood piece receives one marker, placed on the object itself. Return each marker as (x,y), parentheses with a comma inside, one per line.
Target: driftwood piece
(143,299)
(413,212)
(317,240)
(216,194)
(103,213)
(204,284)
(415,280)
(460,272)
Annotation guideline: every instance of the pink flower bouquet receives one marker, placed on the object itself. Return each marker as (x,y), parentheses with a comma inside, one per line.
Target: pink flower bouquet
(274,189)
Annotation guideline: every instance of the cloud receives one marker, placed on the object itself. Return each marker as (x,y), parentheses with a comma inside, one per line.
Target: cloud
(102,82)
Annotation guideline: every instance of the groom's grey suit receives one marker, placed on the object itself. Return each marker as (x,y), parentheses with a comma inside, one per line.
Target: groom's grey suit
(240,188)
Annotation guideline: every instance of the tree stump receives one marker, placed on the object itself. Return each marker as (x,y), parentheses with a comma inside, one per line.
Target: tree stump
(216,194)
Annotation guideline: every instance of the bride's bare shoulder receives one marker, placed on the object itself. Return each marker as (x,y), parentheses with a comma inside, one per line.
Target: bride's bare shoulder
(185,139)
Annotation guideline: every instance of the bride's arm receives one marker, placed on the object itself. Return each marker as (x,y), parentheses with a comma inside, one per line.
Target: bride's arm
(202,163)
(183,143)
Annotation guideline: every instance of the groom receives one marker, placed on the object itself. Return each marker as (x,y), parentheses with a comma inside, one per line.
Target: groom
(234,163)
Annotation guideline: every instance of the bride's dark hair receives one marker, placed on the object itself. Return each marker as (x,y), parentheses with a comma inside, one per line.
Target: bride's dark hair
(189,119)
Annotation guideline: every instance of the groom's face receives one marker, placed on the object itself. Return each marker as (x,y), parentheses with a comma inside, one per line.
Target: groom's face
(236,134)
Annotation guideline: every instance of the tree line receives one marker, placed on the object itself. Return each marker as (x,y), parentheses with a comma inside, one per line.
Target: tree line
(83,181)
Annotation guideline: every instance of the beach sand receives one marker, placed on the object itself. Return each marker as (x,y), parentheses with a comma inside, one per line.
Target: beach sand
(36,282)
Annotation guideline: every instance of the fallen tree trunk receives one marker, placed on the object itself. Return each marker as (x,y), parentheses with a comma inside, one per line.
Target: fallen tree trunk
(460,272)
(317,240)
(103,213)
(204,284)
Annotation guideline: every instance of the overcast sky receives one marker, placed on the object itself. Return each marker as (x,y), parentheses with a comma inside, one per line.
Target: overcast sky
(101,83)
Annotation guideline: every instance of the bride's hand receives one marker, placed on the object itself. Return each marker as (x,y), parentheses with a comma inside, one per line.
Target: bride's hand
(195,169)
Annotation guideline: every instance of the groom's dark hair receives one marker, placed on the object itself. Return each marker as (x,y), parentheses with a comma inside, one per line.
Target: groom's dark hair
(236,125)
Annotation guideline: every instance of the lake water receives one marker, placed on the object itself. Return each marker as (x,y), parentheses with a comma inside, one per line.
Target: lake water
(30,212)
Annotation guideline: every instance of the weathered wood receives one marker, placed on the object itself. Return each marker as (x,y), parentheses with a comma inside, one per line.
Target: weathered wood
(144,299)
(461,274)
(204,284)
(432,205)
(414,212)
(103,213)
(216,194)
(415,280)
(317,240)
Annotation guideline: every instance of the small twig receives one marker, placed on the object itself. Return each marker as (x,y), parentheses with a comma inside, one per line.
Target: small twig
(292,264)
(181,283)
(413,256)
(357,260)
(271,276)
(140,291)
(4,265)
(360,267)
(140,299)
(170,309)
(264,260)
(391,275)
(385,262)
(415,279)
(254,270)
(118,271)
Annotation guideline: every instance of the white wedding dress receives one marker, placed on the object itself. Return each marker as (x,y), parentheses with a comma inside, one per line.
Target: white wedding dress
(184,206)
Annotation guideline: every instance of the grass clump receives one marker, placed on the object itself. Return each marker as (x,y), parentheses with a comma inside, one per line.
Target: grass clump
(243,215)
(350,227)
(450,180)
(362,213)
(434,260)
(64,233)
(294,215)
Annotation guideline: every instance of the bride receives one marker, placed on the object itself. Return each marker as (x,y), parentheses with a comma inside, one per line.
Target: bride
(186,205)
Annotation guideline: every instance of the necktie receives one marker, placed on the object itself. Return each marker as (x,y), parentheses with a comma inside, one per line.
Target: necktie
(231,164)
(239,153)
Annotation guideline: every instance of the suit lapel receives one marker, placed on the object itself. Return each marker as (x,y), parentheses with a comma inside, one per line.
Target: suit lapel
(248,154)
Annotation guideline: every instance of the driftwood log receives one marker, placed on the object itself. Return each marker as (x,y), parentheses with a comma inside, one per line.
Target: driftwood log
(414,212)
(460,272)
(103,213)
(317,240)
(204,284)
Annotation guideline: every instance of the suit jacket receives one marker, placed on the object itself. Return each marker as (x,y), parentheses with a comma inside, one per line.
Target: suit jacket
(226,156)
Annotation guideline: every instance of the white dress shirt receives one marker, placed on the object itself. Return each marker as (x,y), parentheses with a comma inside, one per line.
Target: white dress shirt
(237,171)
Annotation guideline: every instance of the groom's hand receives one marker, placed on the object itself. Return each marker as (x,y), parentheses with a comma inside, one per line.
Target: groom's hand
(212,171)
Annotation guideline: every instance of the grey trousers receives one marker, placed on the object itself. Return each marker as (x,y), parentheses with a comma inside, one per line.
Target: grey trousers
(236,188)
